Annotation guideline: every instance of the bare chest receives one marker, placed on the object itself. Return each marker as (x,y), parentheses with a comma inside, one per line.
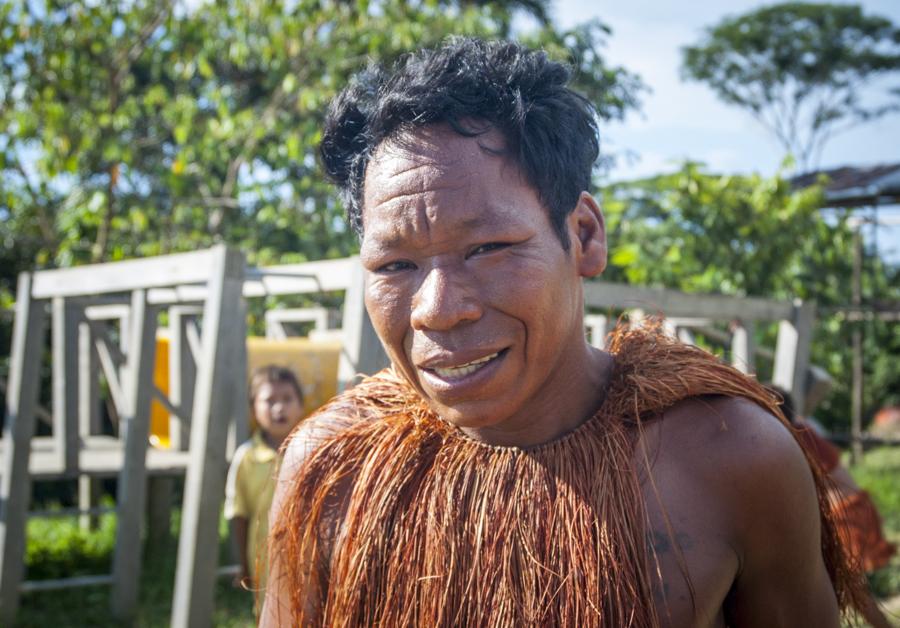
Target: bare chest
(692,552)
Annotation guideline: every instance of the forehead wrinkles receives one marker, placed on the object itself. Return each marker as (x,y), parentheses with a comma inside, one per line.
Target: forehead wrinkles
(403,184)
(432,159)
(410,165)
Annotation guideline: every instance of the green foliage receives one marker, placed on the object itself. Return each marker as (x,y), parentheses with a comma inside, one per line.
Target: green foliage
(57,549)
(756,236)
(132,129)
(798,68)
(877,474)
(742,235)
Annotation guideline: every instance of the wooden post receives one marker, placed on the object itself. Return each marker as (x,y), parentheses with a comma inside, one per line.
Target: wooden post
(742,349)
(686,336)
(596,326)
(137,389)
(160,493)
(182,374)
(792,349)
(15,482)
(239,427)
(362,351)
(88,419)
(217,374)
(670,328)
(856,397)
(64,342)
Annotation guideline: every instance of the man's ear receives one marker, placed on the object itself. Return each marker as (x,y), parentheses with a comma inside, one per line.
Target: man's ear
(587,233)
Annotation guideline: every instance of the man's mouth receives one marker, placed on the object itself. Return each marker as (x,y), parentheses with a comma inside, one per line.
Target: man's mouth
(468,368)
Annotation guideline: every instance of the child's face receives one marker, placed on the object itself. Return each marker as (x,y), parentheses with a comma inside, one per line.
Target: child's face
(277,409)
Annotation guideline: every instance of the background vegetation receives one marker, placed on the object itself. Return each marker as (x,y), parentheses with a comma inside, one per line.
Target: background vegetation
(58,548)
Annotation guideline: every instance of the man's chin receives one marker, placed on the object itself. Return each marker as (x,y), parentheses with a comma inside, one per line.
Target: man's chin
(465,416)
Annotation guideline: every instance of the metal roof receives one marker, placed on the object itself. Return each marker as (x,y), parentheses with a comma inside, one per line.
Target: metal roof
(856,187)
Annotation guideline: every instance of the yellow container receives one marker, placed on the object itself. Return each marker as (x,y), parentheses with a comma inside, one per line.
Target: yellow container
(315,363)
(159,416)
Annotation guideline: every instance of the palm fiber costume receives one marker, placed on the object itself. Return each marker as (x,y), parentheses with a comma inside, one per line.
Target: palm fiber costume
(443,530)
(859,524)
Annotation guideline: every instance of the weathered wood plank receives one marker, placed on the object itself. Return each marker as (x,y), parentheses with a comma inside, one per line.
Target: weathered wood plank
(88,419)
(601,294)
(596,325)
(124,276)
(160,498)
(318,276)
(30,586)
(21,400)
(64,343)
(362,352)
(239,428)
(743,351)
(309,277)
(792,349)
(275,320)
(101,456)
(134,428)
(217,373)
(182,372)
(106,354)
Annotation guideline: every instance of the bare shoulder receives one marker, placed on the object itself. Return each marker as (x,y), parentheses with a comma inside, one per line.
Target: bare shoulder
(304,440)
(740,464)
(744,457)
(309,435)
(301,444)
(732,436)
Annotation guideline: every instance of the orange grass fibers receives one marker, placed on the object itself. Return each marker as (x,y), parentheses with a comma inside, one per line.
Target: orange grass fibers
(442,530)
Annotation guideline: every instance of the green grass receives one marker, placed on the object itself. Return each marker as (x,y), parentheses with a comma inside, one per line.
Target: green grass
(57,548)
(878,474)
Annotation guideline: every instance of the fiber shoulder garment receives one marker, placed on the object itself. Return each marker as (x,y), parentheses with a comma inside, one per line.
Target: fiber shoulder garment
(443,530)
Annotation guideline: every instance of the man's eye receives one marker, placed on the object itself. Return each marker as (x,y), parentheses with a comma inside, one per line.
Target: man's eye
(487,248)
(395,267)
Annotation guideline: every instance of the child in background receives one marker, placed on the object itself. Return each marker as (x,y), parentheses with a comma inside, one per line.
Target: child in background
(276,403)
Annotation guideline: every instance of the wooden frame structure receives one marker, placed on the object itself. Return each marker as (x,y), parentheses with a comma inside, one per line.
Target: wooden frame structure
(104,318)
(684,312)
(203,294)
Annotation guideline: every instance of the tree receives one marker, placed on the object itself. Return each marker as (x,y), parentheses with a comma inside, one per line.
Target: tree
(137,128)
(134,128)
(799,69)
(756,236)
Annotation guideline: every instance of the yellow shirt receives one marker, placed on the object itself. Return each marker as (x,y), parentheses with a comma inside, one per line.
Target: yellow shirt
(248,493)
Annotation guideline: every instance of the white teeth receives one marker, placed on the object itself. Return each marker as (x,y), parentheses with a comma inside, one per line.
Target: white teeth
(467,368)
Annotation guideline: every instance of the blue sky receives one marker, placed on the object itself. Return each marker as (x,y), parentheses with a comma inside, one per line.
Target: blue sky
(685,120)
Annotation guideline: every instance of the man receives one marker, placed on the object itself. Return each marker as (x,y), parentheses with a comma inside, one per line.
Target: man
(502,472)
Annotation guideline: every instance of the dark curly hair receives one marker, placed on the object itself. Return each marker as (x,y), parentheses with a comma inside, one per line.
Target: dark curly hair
(550,131)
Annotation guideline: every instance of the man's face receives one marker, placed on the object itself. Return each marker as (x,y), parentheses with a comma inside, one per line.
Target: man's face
(467,284)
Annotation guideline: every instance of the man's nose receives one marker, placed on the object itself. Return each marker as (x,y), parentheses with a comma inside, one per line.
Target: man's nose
(443,300)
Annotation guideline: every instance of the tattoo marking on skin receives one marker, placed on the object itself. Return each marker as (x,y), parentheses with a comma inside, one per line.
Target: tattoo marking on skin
(661,542)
